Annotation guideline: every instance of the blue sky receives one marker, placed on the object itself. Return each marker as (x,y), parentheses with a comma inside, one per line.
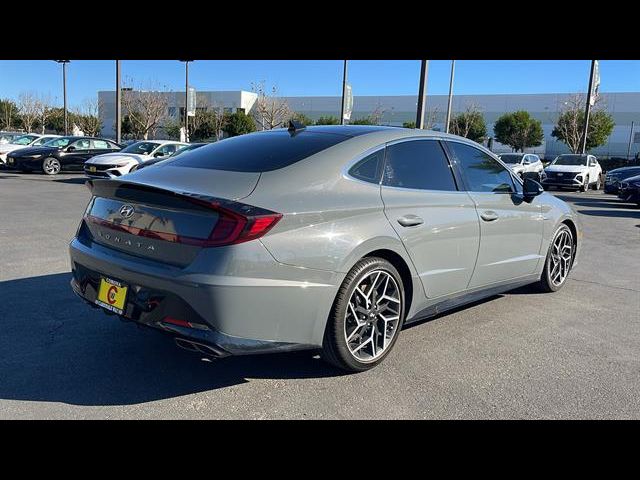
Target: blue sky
(319,77)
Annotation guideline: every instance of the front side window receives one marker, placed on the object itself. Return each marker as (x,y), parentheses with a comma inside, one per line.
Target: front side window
(419,164)
(369,168)
(482,173)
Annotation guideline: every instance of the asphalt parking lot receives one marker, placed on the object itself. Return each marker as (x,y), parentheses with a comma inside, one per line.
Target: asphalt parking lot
(571,354)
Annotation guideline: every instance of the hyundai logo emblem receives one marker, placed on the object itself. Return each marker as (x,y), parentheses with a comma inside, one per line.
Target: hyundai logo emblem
(126,211)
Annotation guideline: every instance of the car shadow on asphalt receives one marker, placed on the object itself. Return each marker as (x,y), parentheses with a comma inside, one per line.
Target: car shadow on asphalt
(73,181)
(55,348)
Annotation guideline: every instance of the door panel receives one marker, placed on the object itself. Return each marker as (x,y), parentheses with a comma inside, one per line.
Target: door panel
(444,247)
(510,228)
(511,237)
(437,224)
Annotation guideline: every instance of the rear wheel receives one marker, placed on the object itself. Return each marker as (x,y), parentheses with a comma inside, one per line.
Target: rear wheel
(51,166)
(366,316)
(559,260)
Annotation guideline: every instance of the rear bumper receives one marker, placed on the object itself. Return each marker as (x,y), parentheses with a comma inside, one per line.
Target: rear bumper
(241,314)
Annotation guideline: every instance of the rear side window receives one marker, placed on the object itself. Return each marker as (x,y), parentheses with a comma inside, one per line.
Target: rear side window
(420,164)
(258,152)
(483,173)
(369,168)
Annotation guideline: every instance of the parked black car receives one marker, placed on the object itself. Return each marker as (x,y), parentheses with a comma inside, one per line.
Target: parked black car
(629,190)
(191,146)
(64,153)
(614,177)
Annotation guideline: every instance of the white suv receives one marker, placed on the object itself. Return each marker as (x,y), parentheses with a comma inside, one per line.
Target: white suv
(573,170)
(113,165)
(522,163)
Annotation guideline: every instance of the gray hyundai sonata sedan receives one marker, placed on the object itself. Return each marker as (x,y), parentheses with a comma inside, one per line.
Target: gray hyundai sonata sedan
(327,237)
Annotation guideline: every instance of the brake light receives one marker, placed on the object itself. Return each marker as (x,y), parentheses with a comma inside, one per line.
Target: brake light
(237,223)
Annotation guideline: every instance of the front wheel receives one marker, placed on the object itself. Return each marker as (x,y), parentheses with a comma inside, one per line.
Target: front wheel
(51,166)
(585,186)
(559,260)
(366,316)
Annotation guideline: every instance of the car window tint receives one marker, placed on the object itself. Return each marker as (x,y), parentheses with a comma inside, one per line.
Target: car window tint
(418,164)
(369,168)
(482,173)
(100,145)
(259,152)
(82,144)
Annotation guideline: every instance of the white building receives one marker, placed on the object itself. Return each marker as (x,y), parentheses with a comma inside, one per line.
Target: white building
(397,109)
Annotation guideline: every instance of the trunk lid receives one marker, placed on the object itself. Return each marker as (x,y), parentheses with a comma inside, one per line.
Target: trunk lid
(166,218)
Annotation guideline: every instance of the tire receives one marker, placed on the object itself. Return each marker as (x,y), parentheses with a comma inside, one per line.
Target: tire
(356,355)
(51,166)
(548,280)
(596,186)
(585,186)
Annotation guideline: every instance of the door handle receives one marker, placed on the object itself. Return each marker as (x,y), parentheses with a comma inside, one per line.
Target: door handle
(410,221)
(489,216)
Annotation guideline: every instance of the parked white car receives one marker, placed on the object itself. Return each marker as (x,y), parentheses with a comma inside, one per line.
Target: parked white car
(113,165)
(23,141)
(522,163)
(573,170)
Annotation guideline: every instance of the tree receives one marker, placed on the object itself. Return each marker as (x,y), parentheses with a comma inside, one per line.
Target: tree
(363,121)
(87,117)
(570,126)
(409,124)
(302,118)
(29,108)
(328,120)
(239,123)
(469,124)
(518,130)
(146,110)
(9,116)
(269,111)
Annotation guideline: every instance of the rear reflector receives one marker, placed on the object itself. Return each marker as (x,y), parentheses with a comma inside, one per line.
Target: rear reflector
(183,323)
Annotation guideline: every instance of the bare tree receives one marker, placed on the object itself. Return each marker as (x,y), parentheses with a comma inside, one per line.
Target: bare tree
(44,106)
(377,114)
(87,117)
(571,126)
(146,109)
(270,111)
(219,119)
(431,118)
(29,107)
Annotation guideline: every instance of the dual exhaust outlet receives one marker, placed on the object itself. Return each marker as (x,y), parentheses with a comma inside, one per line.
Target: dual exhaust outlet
(196,347)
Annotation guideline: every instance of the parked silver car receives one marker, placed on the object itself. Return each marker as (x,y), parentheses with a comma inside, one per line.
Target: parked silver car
(327,237)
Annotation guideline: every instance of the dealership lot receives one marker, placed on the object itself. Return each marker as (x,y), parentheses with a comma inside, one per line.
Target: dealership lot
(572,354)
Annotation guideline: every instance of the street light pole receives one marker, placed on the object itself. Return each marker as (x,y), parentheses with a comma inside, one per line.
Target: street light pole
(453,66)
(587,110)
(186,98)
(64,93)
(344,92)
(118,104)
(422,93)
(630,140)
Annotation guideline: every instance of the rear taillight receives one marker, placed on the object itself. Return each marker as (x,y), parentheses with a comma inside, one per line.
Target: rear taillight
(237,223)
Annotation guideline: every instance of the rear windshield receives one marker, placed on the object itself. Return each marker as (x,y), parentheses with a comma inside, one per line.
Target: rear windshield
(258,152)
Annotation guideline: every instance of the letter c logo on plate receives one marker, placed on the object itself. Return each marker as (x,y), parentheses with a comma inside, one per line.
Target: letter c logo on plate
(111,294)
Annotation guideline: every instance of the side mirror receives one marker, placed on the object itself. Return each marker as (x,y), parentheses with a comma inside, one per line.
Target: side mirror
(71,148)
(158,154)
(531,189)
(526,162)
